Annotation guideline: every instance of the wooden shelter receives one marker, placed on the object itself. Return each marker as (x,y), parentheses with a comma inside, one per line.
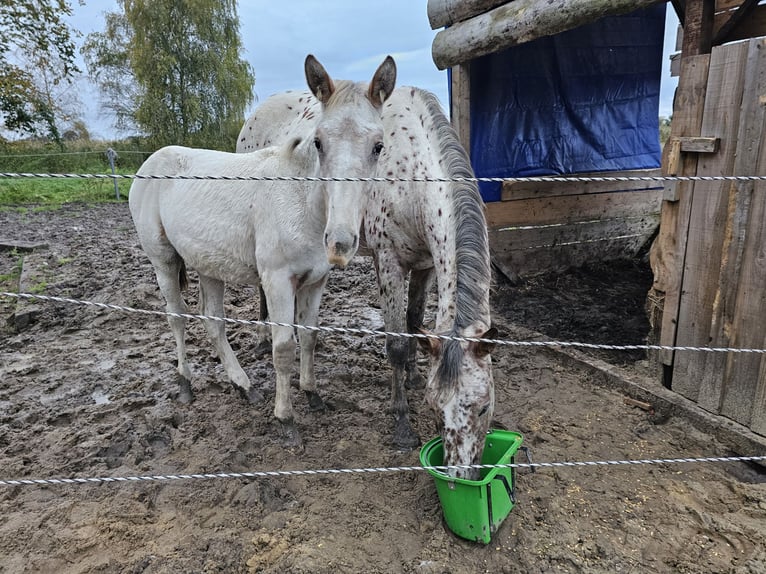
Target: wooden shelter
(536,227)
(709,255)
(709,260)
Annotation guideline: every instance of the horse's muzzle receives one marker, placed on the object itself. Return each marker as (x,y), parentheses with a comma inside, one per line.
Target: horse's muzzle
(340,253)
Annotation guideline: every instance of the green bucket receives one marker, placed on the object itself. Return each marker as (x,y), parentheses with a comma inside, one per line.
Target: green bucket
(475,509)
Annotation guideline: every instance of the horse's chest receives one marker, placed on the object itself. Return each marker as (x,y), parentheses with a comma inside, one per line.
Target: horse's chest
(407,219)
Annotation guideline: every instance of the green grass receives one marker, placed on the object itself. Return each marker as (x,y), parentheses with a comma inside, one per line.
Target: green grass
(76,158)
(22,191)
(10,280)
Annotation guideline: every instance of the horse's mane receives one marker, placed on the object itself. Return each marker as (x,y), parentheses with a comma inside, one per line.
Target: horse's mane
(471,242)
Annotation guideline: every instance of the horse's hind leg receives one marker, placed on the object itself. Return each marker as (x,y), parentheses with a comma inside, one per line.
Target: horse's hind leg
(211,303)
(420,285)
(171,274)
(263,332)
(307,313)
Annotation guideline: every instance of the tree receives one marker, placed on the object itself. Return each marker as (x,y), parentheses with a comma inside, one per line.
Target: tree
(33,27)
(172,69)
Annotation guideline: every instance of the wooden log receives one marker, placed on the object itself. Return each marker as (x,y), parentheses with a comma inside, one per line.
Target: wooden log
(443,13)
(521,21)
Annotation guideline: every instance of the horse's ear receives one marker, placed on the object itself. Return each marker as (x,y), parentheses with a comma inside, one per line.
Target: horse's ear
(429,345)
(383,82)
(483,349)
(318,79)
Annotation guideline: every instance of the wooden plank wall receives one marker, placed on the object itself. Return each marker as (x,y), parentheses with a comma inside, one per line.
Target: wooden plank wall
(549,226)
(722,293)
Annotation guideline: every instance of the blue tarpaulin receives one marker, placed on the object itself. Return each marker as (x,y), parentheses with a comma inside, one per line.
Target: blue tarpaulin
(581,101)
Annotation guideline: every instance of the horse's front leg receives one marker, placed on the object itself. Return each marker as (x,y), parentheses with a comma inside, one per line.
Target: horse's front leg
(391,281)
(280,296)
(420,285)
(307,313)
(211,304)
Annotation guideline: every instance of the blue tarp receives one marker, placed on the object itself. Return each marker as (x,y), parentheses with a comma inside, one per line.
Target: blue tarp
(581,101)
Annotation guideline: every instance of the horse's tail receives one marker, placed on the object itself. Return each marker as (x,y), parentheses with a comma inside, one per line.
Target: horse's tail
(183,277)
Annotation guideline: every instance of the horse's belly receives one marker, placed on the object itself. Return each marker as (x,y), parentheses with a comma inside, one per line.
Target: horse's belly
(223,266)
(226,252)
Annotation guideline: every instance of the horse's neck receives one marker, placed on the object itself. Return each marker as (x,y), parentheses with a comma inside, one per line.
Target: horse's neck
(415,145)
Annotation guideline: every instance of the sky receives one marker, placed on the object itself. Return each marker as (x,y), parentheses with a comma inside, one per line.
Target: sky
(349,37)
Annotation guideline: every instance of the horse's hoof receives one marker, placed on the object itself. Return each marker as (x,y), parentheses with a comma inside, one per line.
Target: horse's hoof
(262,349)
(251,395)
(185,394)
(405,439)
(291,438)
(316,403)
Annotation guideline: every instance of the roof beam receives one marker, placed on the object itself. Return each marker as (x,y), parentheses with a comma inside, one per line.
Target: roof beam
(737,16)
(521,21)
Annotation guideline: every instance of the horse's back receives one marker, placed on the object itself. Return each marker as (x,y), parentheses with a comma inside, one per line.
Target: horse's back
(279,117)
(214,225)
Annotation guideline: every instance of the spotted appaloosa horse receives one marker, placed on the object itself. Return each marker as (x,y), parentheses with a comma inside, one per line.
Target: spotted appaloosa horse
(417,231)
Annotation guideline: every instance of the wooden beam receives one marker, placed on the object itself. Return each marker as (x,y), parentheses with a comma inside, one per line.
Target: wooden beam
(734,20)
(698,31)
(443,13)
(521,21)
(680,7)
(699,144)
(460,104)
(753,26)
(516,190)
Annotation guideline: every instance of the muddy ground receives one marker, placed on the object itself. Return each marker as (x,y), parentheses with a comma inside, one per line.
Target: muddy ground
(87,393)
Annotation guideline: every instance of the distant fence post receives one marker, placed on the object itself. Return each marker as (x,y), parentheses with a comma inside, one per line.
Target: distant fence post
(111,154)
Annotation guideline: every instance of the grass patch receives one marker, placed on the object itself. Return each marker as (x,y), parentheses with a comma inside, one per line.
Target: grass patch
(77,158)
(14,192)
(11,279)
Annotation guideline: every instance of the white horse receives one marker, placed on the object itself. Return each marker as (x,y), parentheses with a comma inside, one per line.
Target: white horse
(417,231)
(283,235)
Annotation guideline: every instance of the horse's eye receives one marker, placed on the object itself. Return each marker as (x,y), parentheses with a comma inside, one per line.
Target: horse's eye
(318,144)
(377,148)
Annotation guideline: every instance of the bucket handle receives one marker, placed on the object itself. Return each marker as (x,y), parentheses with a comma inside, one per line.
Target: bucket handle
(510,489)
(527,453)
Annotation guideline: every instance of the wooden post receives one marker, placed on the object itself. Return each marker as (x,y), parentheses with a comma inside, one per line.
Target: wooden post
(460,108)
(698,28)
(668,253)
